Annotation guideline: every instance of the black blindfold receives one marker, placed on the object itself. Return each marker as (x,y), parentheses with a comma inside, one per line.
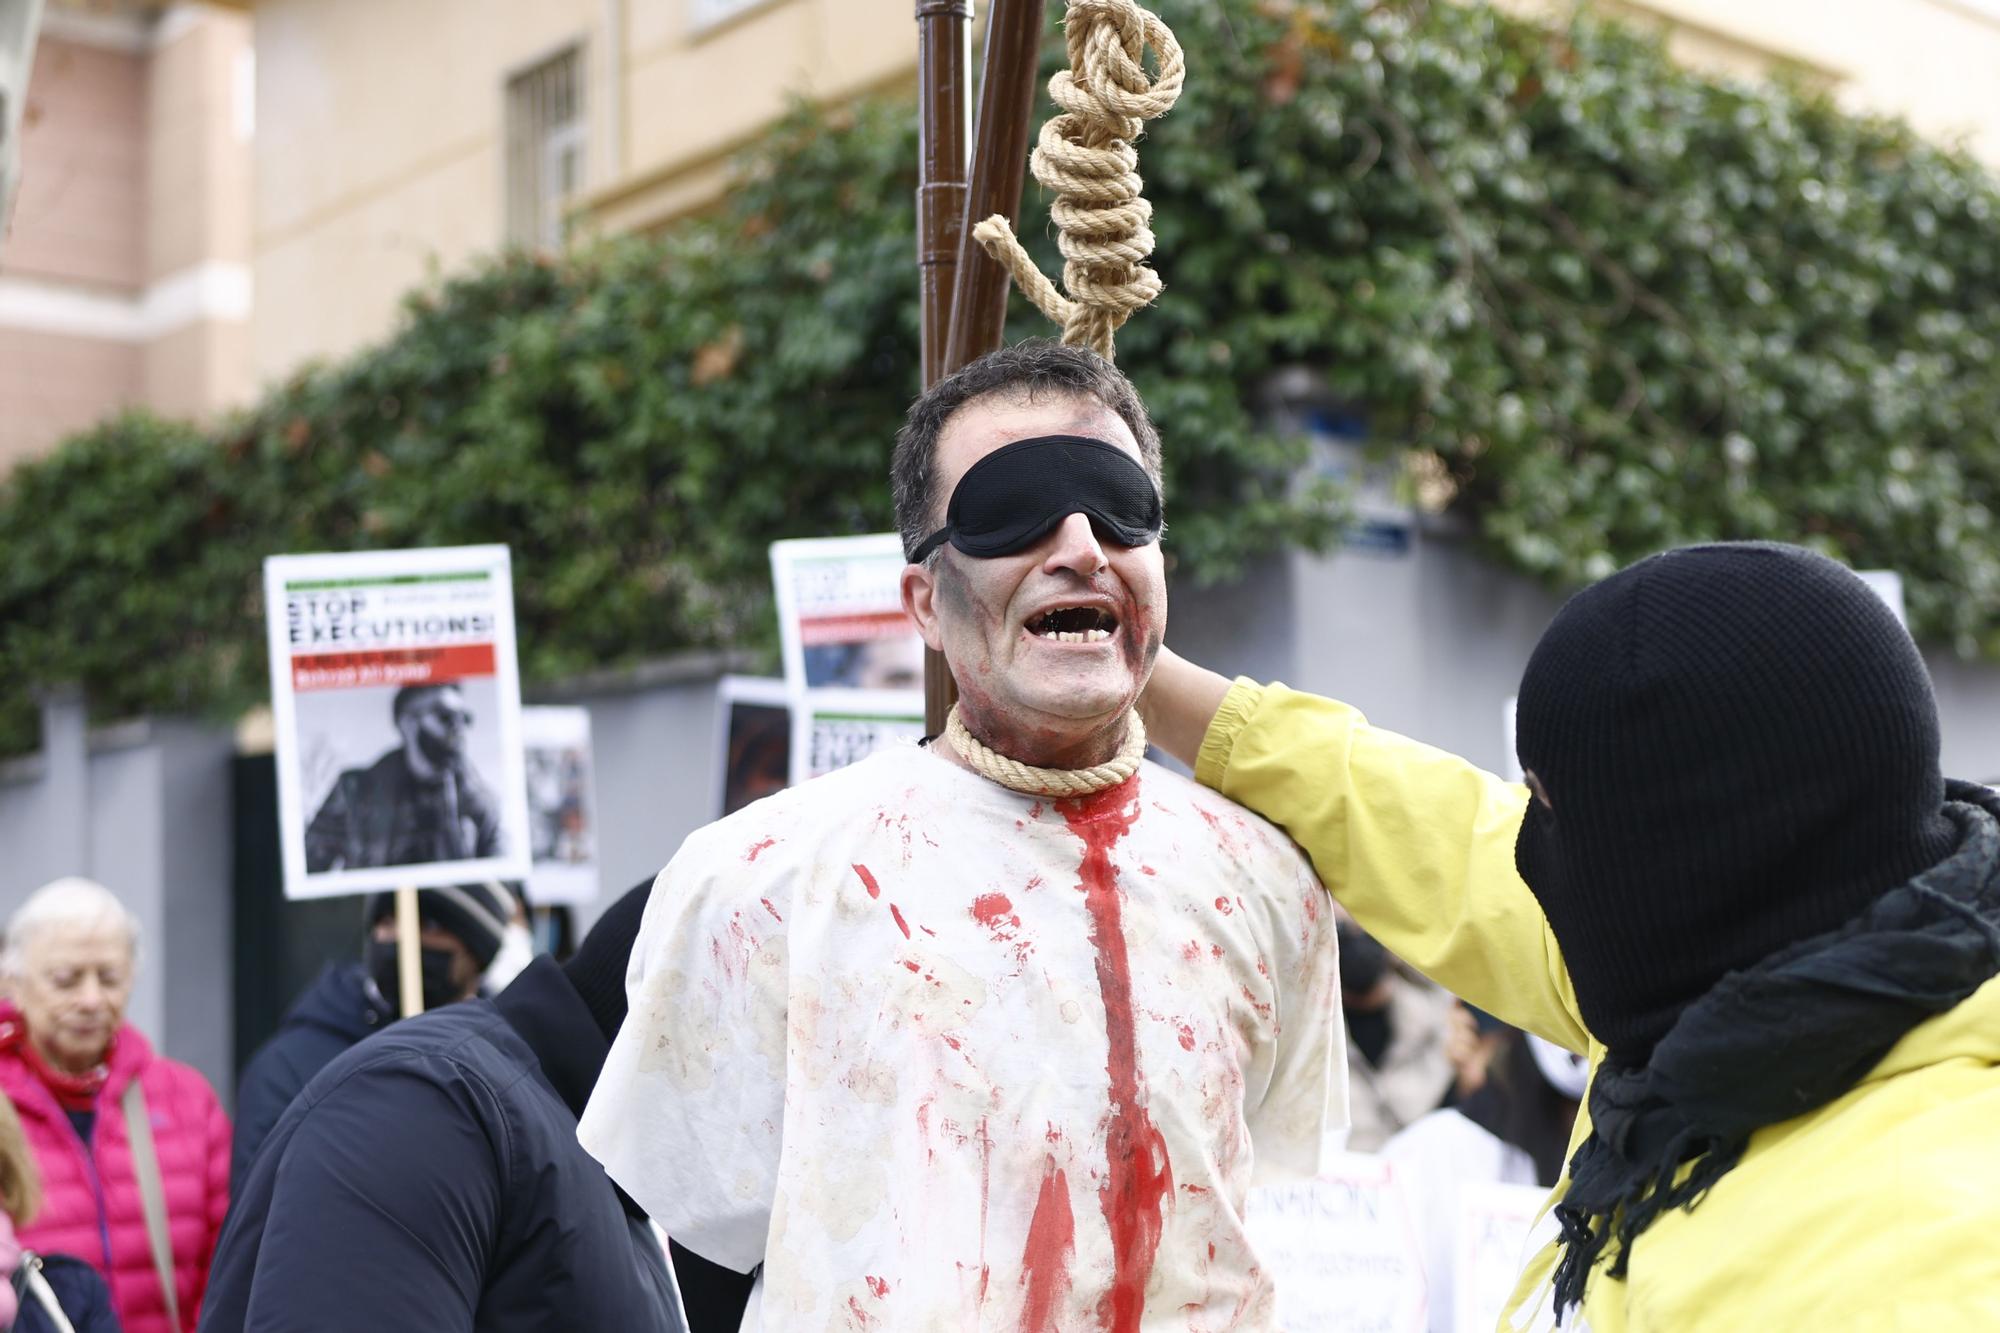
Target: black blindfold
(1019,493)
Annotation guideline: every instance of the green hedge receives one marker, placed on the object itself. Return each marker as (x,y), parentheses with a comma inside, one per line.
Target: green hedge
(1607,306)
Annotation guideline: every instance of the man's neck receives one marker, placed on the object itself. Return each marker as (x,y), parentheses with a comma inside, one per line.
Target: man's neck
(1043,748)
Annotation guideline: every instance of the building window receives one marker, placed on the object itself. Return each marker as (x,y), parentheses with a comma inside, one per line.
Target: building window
(705,14)
(546,133)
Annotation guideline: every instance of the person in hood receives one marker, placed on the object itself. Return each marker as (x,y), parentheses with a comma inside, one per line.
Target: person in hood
(463,928)
(1737,879)
(430,1178)
(81,1078)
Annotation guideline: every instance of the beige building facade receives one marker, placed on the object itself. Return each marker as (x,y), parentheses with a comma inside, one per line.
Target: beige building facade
(126,276)
(401,139)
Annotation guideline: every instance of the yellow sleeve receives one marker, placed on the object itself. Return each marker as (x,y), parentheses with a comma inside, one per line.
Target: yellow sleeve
(1418,844)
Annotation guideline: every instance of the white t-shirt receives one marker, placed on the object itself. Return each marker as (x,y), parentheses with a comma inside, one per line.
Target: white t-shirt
(940,1055)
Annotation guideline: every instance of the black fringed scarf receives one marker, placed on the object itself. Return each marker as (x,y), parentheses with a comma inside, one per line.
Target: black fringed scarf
(1778,1040)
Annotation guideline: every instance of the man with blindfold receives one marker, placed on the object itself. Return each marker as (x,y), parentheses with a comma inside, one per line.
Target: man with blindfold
(997,1032)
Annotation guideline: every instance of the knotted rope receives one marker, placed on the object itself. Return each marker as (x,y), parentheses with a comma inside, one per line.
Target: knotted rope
(1086,156)
(1032,781)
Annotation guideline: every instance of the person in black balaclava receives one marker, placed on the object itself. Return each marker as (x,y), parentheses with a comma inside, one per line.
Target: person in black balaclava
(462,928)
(1739,879)
(431,1178)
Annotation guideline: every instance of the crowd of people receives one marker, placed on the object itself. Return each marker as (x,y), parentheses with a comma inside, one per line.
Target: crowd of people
(1002,1030)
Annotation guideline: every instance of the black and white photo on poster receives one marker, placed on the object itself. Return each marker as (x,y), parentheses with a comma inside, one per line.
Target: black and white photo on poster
(399,775)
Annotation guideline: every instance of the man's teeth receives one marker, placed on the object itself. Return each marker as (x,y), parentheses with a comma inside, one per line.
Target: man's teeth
(1080,636)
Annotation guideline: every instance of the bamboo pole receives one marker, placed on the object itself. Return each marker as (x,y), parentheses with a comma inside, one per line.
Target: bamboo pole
(944,54)
(999,165)
(944,102)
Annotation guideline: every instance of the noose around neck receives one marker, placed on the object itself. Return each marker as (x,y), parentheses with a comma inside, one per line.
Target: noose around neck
(1058,782)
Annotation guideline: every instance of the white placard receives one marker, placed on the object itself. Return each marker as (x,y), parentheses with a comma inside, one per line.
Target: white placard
(1342,1249)
(841,622)
(753,740)
(833,728)
(396,701)
(854,663)
(1488,1241)
(1888,585)
(562,806)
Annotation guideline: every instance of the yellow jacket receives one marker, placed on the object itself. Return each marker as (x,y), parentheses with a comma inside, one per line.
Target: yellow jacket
(1878,1211)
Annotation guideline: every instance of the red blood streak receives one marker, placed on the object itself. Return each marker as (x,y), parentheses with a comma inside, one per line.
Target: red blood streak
(991,909)
(913,965)
(757,847)
(1045,1261)
(862,1319)
(879,1286)
(772,910)
(953,1043)
(905,926)
(1222,905)
(1187,1037)
(1138,1180)
(868,881)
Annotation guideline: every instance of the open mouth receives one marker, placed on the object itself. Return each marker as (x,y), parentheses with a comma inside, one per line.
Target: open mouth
(1074,624)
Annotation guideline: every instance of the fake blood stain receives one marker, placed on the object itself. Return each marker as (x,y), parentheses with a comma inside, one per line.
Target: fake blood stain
(1045,1262)
(868,881)
(991,909)
(1138,1180)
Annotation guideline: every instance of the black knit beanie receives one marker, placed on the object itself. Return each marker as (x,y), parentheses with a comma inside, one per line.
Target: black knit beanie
(1740,746)
(475,913)
(597,969)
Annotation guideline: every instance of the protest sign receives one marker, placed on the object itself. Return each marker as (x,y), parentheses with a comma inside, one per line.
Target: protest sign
(854,664)
(753,740)
(1489,1249)
(1888,585)
(833,728)
(841,623)
(562,806)
(397,707)
(1342,1249)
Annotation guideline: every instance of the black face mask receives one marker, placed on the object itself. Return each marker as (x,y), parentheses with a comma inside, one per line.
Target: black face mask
(1363,960)
(439,990)
(1016,495)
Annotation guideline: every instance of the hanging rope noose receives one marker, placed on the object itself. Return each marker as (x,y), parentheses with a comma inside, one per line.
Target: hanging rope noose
(1085,156)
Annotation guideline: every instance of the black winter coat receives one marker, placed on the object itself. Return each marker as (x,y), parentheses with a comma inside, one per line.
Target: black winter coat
(85,1300)
(431,1179)
(337,1010)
